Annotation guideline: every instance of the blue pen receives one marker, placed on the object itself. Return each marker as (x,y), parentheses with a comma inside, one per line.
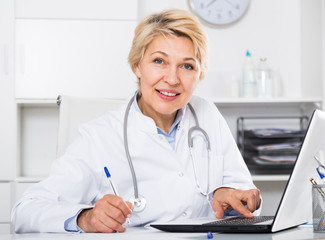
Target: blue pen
(320,169)
(108,175)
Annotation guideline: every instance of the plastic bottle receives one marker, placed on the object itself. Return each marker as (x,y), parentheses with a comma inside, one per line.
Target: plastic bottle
(248,86)
(264,80)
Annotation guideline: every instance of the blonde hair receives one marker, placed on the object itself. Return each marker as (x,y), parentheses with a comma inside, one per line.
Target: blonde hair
(173,22)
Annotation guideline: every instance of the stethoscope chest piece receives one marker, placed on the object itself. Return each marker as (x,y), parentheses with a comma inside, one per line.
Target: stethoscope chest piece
(138,203)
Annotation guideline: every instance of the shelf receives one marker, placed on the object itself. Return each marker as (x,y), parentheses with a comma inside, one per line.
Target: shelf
(29,179)
(222,101)
(268,100)
(263,178)
(36,102)
(317,101)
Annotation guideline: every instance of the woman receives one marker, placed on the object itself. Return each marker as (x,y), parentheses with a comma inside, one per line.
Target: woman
(169,57)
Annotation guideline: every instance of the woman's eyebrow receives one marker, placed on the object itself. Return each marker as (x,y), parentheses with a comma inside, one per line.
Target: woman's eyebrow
(165,54)
(161,52)
(190,59)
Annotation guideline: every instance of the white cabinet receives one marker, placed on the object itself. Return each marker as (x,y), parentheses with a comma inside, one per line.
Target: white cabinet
(37,138)
(5,202)
(5,228)
(73,47)
(73,57)
(77,9)
(19,188)
(66,47)
(5,207)
(7,102)
(8,113)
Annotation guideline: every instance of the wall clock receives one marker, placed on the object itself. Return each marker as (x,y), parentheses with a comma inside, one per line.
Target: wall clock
(219,12)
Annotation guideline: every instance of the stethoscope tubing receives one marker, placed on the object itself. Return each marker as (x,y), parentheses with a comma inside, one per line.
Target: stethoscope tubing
(136,197)
(127,152)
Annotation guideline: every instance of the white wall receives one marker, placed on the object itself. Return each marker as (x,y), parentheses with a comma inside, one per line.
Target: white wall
(312,38)
(287,32)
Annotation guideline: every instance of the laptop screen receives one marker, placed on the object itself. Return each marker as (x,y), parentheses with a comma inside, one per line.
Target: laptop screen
(296,204)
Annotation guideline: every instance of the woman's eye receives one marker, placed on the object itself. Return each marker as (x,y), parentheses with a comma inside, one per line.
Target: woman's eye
(159,61)
(188,66)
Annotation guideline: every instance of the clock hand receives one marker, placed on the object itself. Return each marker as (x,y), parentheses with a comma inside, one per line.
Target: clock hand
(210,3)
(232,4)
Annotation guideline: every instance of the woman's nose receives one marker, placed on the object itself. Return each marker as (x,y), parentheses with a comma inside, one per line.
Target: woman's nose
(172,76)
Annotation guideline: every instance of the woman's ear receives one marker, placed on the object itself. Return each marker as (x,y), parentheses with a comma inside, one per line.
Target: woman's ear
(137,71)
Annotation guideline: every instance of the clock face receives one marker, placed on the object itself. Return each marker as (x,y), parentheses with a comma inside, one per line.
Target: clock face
(219,12)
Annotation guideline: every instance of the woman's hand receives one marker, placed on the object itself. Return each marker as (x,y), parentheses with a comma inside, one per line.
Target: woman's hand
(225,198)
(107,216)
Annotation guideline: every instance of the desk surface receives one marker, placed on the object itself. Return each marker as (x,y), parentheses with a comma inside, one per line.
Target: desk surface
(304,232)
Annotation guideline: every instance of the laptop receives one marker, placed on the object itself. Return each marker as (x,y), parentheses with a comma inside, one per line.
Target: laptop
(295,207)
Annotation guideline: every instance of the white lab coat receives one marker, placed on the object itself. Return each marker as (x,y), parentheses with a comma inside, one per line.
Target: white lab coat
(165,176)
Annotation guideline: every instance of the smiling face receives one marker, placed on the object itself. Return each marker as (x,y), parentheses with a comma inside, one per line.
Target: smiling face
(169,73)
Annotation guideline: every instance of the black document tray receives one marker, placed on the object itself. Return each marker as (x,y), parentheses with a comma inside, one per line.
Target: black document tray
(270,150)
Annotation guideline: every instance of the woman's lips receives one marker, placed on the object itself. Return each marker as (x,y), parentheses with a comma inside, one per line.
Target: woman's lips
(167,95)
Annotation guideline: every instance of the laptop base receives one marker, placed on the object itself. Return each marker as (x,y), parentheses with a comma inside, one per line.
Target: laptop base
(224,229)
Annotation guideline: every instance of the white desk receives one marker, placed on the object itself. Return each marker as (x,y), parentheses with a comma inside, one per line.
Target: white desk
(305,232)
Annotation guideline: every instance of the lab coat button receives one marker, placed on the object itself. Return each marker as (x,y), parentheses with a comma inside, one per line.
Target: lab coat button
(181,174)
(184,214)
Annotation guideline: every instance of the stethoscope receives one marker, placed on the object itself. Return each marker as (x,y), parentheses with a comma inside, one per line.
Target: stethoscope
(138,201)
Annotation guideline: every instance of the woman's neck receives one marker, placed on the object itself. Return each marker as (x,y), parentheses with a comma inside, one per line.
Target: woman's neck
(163,121)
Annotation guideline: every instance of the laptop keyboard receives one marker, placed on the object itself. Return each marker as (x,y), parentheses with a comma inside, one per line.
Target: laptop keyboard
(241,221)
